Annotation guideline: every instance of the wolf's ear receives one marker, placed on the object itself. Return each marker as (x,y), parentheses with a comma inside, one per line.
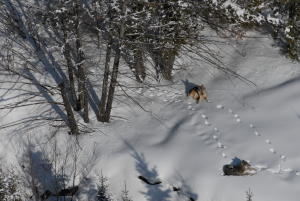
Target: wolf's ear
(202,85)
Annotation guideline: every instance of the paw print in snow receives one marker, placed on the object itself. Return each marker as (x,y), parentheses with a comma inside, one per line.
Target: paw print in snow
(220,106)
(283,158)
(207,123)
(221,146)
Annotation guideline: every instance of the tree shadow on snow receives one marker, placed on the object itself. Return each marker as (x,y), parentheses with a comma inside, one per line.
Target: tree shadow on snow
(185,189)
(154,192)
(282,85)
(296,113)
(188,86)
(37,173)
(53,68)
(50,171)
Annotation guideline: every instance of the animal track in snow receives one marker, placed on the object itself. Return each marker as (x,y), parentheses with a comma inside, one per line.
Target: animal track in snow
(139,91)
(221,146)
(191,107)
(260,167)
(276,171)
(288,170)
(220,106)
(256,133)
(207,123)
(204,117)
(280,170)
(283,158)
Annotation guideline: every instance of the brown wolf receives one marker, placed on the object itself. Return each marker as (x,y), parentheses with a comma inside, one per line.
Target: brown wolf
(237,170)
(198,93)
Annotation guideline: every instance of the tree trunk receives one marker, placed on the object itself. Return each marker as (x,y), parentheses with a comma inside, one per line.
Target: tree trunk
(115,66)
(67,55)
(167,67)
(82,84)
(131,61)
(157,63)
(139,63)
(164,66)
(292,11)
(71,119)
(101,114)
(79,56)
(86,102)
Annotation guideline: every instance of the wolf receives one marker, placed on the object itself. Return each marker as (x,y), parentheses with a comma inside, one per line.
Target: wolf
(237,170)
(198,93)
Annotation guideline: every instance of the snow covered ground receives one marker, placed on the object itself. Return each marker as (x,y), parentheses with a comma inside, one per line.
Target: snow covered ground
(190,144)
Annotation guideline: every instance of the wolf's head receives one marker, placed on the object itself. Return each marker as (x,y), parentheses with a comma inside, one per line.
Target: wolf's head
(245,164)
(201,89)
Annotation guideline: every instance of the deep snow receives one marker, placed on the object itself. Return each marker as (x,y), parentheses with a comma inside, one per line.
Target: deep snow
(190,144)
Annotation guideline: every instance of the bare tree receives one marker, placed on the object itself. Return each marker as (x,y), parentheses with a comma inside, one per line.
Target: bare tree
(67,55)
(139,63)
(58,168)
(115,70)
(82,84)
(101,114)
(25,73)
(64,94)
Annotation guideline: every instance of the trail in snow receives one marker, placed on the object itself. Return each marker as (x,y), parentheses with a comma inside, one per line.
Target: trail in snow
(175,96)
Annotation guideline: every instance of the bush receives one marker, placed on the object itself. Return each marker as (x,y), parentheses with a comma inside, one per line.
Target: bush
(8,186)
(103,194)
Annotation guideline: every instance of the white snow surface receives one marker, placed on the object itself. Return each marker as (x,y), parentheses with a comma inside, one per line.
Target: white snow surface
(191,143)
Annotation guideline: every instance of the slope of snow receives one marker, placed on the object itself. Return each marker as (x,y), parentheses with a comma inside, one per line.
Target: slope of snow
(191,142)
